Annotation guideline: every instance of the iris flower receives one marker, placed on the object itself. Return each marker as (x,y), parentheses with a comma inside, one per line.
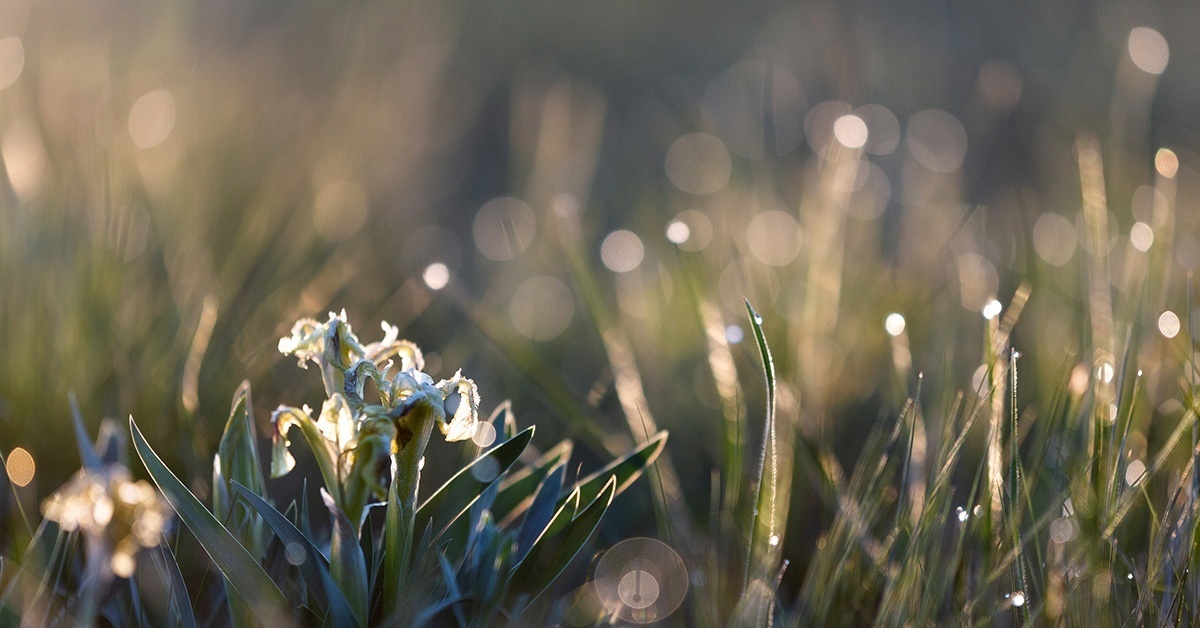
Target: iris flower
(353,440)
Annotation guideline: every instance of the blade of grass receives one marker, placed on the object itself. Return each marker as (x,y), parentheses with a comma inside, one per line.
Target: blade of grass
(765,545)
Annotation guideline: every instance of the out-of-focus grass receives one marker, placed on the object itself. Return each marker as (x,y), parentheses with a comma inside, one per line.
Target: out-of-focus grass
(304,144)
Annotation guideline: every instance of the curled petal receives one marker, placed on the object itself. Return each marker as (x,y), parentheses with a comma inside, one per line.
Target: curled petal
(391,347)
(324,450)
(356,379)
(342,347)
(283,419)
(462,407)
(304,341)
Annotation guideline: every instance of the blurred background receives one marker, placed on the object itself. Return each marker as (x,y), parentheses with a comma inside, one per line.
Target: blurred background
(569,201)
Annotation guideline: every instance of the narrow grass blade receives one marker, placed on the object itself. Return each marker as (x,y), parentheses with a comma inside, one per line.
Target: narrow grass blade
(774,489)
(243,571)
(459,492)
(553,553)
(314,569)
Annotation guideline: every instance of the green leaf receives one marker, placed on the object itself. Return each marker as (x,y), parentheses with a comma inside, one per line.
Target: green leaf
(541,512)
(87,449)
(237,461)
(459,492)
(314,569)
(164,558)
(518,486)
(624,470)
(238,447)
(242,570)
(346,563)
(553,552)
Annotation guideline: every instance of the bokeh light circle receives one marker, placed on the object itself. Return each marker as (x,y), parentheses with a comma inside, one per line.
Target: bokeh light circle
(698,163)
(883,129)
(1054,239)
(503,228)
(622,251)
(542,307)
(937,140)
(641,580)
(1149,50)
(851,131)
(151,118)
(695,230)
(20,467)
(774,237)
(12,60)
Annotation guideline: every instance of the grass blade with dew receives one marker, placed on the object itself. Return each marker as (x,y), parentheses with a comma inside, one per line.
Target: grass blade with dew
(243,571)
(765,547)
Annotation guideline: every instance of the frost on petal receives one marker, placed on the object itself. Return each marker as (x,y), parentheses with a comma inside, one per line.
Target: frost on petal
(304,341)
(462,407)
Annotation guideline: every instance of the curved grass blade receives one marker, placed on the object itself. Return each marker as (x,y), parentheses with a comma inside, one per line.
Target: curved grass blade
(314,569)
(771,504)
(546,560)
(456,495)
(242,570)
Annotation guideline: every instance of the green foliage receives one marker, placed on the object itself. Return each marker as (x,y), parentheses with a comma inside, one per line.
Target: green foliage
(483,569)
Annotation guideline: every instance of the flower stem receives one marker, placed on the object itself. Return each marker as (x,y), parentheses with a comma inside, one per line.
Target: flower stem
(401,511)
